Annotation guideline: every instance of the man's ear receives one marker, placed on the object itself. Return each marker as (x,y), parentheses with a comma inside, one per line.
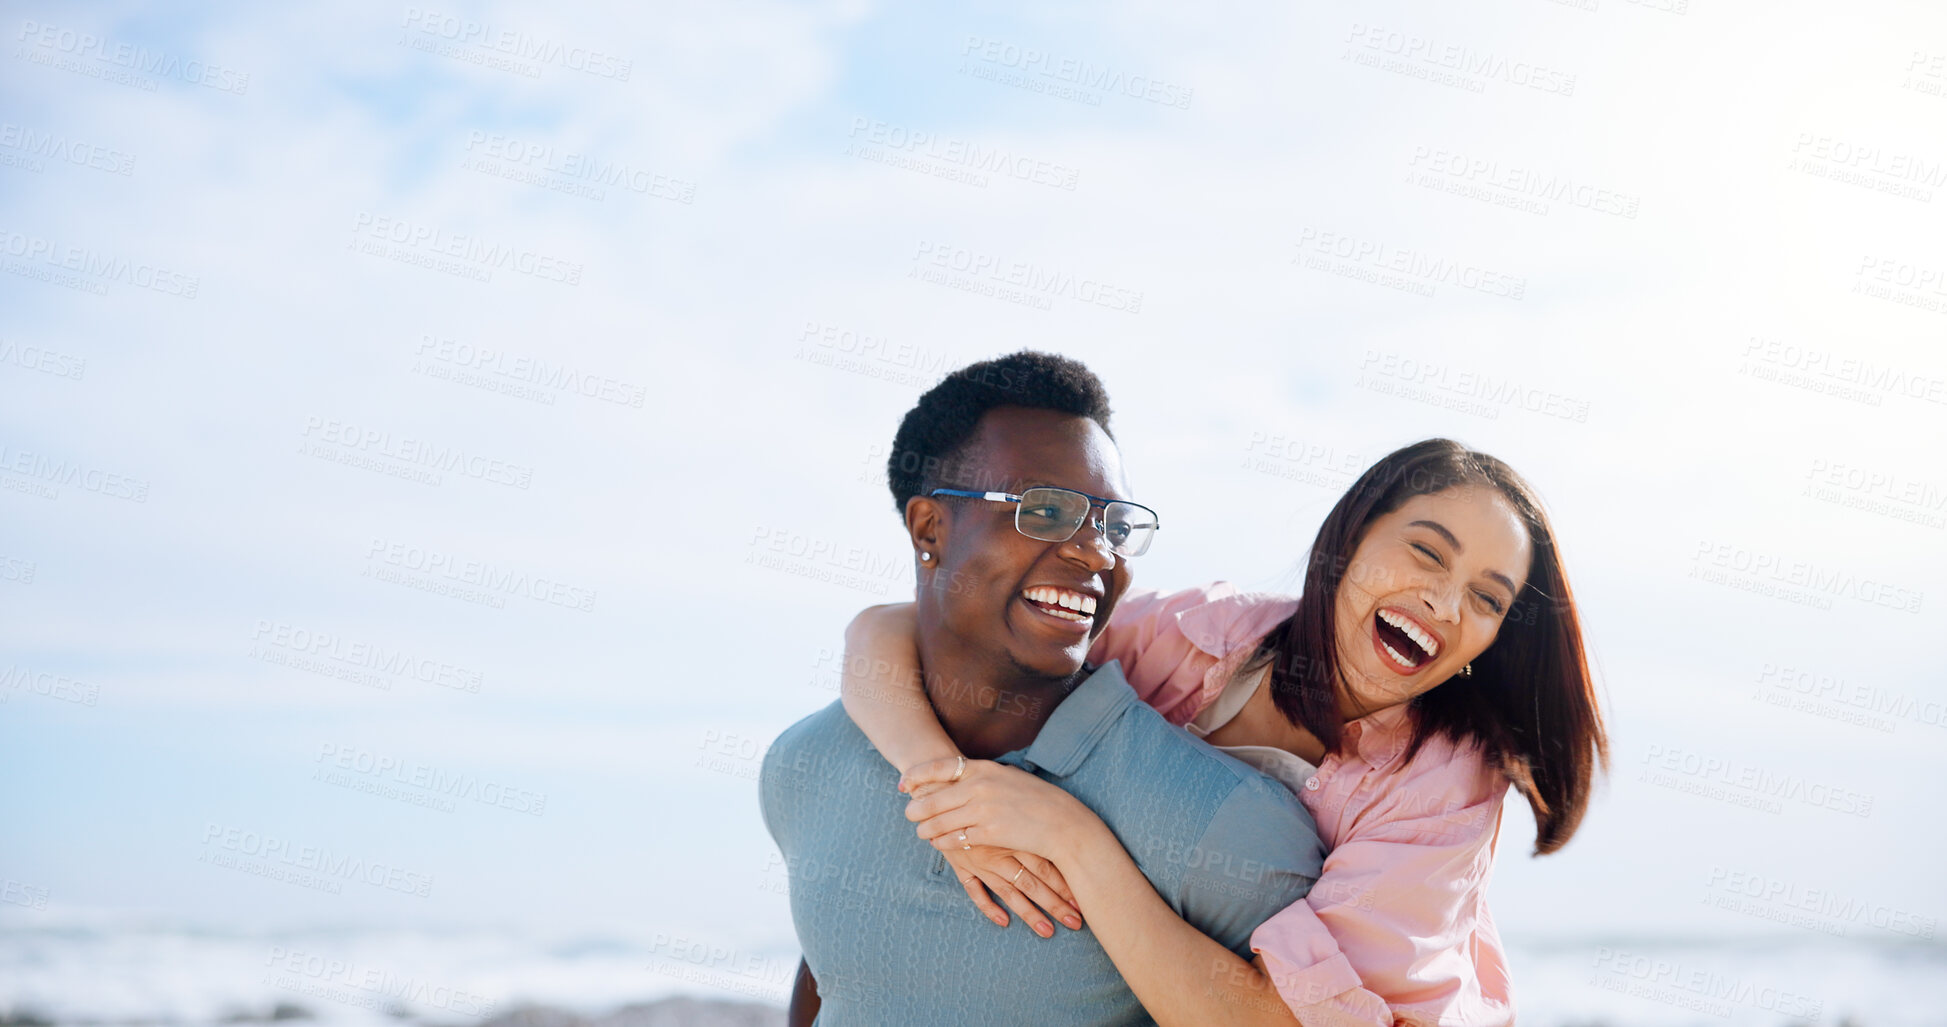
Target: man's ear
(926,526)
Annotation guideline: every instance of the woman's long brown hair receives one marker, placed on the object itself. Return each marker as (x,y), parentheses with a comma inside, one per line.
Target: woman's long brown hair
(1530,701)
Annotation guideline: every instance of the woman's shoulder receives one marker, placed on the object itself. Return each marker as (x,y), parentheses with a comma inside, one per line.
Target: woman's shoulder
(1444,775)
(1178,648)
(1219,618)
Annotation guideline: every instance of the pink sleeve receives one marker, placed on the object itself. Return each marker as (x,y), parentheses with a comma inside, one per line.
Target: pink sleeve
(1179,648)
(1387,932)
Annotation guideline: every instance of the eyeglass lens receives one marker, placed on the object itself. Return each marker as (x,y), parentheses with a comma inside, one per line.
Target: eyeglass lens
(1054,515)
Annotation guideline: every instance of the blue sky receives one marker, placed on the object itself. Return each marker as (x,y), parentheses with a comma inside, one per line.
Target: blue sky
(1750,346)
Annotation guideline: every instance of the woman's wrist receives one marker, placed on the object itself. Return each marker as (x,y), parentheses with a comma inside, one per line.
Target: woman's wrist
(1087,844)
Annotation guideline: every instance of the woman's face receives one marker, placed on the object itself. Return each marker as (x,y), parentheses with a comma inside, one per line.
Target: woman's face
(1425,593)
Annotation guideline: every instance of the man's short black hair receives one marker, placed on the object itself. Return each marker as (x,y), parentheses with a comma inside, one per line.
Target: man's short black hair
(939,426)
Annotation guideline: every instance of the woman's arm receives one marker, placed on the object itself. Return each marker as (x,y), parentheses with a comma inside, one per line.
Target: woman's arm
(1180,974)
(1390,931)
(1179,649)
(1387,934)
(880,686)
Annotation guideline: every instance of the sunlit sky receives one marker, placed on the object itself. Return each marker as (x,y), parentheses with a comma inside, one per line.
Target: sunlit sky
(316,313)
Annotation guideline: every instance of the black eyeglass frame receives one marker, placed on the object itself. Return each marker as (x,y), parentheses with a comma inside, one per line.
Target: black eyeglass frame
(1155,523)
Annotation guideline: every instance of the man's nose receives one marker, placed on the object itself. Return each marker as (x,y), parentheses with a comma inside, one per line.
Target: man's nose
(1090,544)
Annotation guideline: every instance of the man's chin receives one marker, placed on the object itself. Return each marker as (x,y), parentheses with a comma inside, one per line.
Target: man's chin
(1053,664)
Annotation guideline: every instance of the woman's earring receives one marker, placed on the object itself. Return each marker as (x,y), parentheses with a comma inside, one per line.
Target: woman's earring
(1467,671)
(924,557)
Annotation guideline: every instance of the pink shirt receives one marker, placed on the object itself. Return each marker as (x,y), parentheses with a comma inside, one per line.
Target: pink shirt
(1397,928)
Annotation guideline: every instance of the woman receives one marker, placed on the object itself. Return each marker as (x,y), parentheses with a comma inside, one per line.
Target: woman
(1456,669)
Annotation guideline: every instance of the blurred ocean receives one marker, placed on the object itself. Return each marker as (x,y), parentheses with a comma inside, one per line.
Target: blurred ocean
(131,974)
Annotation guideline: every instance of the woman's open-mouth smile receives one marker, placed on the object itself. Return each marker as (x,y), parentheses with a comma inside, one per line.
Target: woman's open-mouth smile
(1403,643)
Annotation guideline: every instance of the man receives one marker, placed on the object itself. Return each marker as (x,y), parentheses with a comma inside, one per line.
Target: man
(888,934)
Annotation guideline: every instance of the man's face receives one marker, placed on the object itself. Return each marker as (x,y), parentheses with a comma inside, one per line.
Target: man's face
(991,583)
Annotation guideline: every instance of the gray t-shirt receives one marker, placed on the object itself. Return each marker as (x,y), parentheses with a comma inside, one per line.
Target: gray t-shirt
(888,931)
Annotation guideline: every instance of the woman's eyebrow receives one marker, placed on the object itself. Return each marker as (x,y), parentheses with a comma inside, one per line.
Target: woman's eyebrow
(1441,530)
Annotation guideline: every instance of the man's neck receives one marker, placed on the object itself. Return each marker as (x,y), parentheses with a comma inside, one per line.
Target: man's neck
(985,710)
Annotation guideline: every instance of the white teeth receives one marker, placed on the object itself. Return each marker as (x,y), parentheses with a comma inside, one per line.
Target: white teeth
(1413,631)
(1401,660)
(1070,603)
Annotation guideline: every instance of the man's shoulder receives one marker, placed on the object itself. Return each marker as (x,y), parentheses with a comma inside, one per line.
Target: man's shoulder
(825,750)
(1148,732)
(824,724)
(1203,778)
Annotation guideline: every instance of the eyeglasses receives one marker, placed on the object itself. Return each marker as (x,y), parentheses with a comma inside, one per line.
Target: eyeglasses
(1053,514)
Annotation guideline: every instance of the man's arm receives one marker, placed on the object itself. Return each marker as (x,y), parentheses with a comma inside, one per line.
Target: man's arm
(804,999)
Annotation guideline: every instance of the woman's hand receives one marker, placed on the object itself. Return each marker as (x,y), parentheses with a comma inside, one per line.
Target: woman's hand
(1020,879)
(1023,880)
(997,805)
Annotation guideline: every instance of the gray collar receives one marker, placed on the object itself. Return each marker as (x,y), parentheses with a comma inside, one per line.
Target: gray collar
(1072,731)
